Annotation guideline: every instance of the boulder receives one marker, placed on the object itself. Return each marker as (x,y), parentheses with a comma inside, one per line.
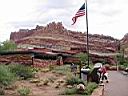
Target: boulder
(81,87)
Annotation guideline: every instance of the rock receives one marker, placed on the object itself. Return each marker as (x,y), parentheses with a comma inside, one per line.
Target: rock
(36,76)
(55,36)
(81,87)
(40,84)
(45,70)
(68,38)
(46,81)
(11,87)
(35,81)
(126,69)
(60,81)
(57,85)
(69,86)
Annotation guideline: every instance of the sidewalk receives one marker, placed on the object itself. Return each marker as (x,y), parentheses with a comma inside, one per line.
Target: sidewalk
(117,86)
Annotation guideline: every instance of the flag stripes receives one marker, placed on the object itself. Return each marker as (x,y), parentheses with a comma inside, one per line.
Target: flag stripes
(79,13)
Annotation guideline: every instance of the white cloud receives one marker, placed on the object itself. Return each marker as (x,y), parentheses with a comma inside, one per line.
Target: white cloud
(108,17)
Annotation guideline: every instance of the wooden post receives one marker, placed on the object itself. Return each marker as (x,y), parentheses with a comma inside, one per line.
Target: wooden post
(32,59)
(80,69)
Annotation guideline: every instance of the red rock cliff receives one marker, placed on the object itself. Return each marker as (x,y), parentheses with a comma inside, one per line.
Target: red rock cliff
(55,36)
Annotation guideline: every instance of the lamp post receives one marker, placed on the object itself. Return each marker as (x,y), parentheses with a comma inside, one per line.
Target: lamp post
(118,46)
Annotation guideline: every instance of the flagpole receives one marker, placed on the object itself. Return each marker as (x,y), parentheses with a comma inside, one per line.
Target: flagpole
(86,11)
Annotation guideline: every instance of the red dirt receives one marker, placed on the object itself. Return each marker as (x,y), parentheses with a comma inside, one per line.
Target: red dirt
(44,90)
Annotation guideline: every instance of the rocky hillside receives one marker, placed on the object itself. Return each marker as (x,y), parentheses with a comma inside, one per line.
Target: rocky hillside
(124,44)
(55,36)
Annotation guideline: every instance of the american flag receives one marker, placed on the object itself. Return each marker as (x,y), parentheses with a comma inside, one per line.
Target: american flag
(79,13)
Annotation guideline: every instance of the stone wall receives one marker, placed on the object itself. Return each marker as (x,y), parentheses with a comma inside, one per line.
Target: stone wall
(43,63)
(26,59)
(19,59)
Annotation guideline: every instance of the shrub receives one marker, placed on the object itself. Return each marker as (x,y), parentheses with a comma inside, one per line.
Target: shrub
(7,46)
(87,92)
(22,71)
(34,69)
(82,57)
(61,69)
(90,87)
(125,64)
(51,67)
(24,91)
(71,80)
(6,77)
(68,91)
(51,79)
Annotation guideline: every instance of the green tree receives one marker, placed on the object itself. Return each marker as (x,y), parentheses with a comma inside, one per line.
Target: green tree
(7,46)
(82,57)
(122,61)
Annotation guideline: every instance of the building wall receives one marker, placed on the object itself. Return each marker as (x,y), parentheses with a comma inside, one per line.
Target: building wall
(26,59)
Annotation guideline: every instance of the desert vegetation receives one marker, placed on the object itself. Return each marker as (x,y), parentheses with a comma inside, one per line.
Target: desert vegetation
(21,80)
(7,46)
(24,80)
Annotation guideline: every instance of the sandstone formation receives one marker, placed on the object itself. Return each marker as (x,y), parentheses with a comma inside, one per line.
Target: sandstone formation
(55,36)
(124,44)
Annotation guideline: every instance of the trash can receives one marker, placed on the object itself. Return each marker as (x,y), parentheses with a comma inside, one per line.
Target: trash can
(95,77)
(84,73)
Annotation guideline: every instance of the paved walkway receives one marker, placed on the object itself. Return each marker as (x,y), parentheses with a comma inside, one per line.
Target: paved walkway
(117,86)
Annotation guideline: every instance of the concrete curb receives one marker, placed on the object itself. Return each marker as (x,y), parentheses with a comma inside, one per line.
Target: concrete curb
(98,91)
(124,73)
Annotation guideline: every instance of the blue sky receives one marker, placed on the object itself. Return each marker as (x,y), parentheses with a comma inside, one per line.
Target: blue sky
(107,17)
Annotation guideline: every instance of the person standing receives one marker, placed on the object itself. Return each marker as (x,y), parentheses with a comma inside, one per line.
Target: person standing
(104,74)
(74,68)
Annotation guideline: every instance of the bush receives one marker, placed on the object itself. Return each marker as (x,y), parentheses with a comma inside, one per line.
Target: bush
(71,80)
(51,67)
(22,71)
(125,64)
(90,87)
(61,69)
(87,92)
(35,70)
(6,77)
(7,46)
(68,91)
(24,91)
(82,57)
